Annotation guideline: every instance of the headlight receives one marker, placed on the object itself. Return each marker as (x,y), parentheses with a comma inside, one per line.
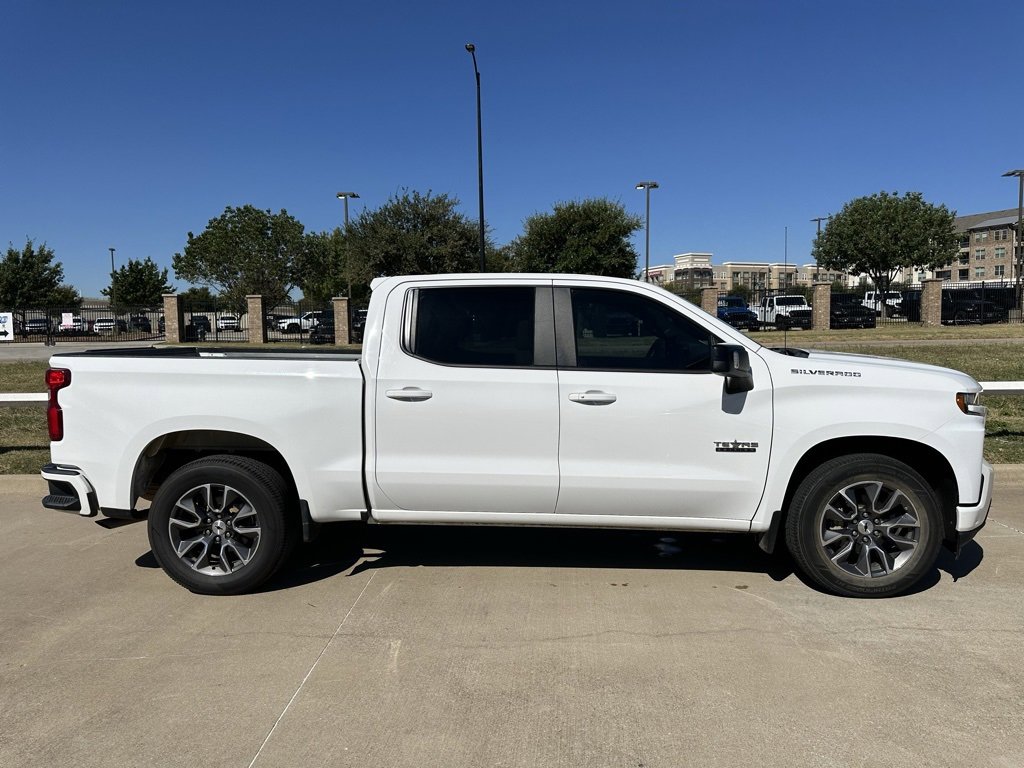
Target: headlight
(970,403)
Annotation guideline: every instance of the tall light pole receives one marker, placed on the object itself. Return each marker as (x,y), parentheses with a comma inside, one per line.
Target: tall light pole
(479,154)
(819,219)
(348,273)
(647,186)
(1018,250)
(112,280)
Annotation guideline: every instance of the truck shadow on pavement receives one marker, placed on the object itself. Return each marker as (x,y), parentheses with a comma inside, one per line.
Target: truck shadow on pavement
(357,548)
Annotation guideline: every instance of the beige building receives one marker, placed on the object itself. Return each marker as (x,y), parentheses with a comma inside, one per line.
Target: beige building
(695,270)
(987,245)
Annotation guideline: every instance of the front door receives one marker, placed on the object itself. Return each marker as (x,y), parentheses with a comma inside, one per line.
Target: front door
(646,428)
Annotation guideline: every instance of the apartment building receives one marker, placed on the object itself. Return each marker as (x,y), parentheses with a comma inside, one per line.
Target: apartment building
(987,245)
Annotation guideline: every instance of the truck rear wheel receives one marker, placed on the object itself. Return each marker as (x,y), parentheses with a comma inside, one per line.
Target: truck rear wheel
(219,525)
(864,525)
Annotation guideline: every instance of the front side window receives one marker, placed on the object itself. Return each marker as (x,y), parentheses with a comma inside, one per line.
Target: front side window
(474,326)
(618,330)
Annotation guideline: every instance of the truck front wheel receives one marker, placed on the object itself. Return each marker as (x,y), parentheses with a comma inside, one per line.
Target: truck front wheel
(864,525)
(219,525)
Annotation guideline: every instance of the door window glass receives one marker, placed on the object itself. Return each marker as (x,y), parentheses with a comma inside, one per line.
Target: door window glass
(474,326)
(618,330)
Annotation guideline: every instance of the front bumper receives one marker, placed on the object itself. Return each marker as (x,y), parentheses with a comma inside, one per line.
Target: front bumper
(971,517)
(69,490)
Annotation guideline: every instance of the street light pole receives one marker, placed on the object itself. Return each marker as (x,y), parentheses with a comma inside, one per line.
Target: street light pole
(479,154)
(348,272)
(647,186)
(112,282)
(1018,242)
(819,219)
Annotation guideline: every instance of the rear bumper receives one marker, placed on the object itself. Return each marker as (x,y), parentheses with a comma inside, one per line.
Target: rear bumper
(69,490)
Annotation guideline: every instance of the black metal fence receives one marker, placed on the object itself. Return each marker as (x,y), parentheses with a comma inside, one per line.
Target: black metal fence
(52,325)
(298,321)
(213,321)
(862,307)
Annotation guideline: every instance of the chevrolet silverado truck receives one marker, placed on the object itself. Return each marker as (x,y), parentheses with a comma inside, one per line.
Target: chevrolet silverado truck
(524,400)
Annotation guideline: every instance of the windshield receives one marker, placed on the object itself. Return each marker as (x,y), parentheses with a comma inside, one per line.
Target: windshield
(790,301)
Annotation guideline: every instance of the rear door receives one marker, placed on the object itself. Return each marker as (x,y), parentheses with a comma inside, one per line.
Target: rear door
(466,400)
(646,427)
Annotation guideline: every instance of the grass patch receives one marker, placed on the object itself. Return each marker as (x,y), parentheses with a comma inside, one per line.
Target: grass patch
(24,445)
(24,442)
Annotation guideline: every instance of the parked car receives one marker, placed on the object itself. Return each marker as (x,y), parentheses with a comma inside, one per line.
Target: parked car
(967,310)
(847,311)
(200,321)
(893,301)
(784,312)
(75,325)
(227,323)
(735,311)
(323,331)
(140,323)
(161,325)
(271,320)
(36,325)
(108,325)
(298,324)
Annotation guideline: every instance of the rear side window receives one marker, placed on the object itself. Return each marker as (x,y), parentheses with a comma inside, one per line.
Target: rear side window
(474,326)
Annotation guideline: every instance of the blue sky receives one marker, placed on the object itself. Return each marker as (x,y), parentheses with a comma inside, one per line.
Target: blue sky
(131,124)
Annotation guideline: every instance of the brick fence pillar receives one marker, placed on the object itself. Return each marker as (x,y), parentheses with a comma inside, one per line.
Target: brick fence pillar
(821,318)
(709,300)
(257,329)
(931,301)
(174,318)
(340,304)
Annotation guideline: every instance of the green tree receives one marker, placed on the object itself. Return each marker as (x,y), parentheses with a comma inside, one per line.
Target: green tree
(30,278)
(198,297)
(65,297)
(137,284)
(589,237)
(412,234)
(882,234)
(321,269)
(244,251)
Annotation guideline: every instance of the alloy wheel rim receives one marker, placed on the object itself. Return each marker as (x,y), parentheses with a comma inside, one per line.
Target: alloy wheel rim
(214,529)
(869,529)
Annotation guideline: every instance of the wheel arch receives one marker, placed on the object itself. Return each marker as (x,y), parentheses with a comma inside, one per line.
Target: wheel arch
(923,459)
(165,454)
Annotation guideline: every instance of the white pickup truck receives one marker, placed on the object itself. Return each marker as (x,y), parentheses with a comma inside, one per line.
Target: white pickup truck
(784,312)
(524,400)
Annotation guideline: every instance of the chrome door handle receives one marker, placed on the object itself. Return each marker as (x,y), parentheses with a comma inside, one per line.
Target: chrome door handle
(409,394)
(592,397)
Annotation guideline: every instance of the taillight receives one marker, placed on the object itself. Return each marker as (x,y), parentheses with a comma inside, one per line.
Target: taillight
(56,380)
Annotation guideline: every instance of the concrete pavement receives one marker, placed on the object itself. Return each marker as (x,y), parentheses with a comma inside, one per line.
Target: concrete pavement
(495,647)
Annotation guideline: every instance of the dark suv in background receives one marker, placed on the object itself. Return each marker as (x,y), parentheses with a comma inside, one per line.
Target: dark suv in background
(846,310)
(735,311)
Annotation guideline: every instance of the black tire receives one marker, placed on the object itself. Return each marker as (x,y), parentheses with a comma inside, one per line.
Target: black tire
(256,524)
(878,554)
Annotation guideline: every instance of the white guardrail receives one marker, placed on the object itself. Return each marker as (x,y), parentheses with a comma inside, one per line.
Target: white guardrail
(22,398)
(33,398)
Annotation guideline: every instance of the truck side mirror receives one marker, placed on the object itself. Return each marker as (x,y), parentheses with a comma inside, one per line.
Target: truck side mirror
(732,362)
